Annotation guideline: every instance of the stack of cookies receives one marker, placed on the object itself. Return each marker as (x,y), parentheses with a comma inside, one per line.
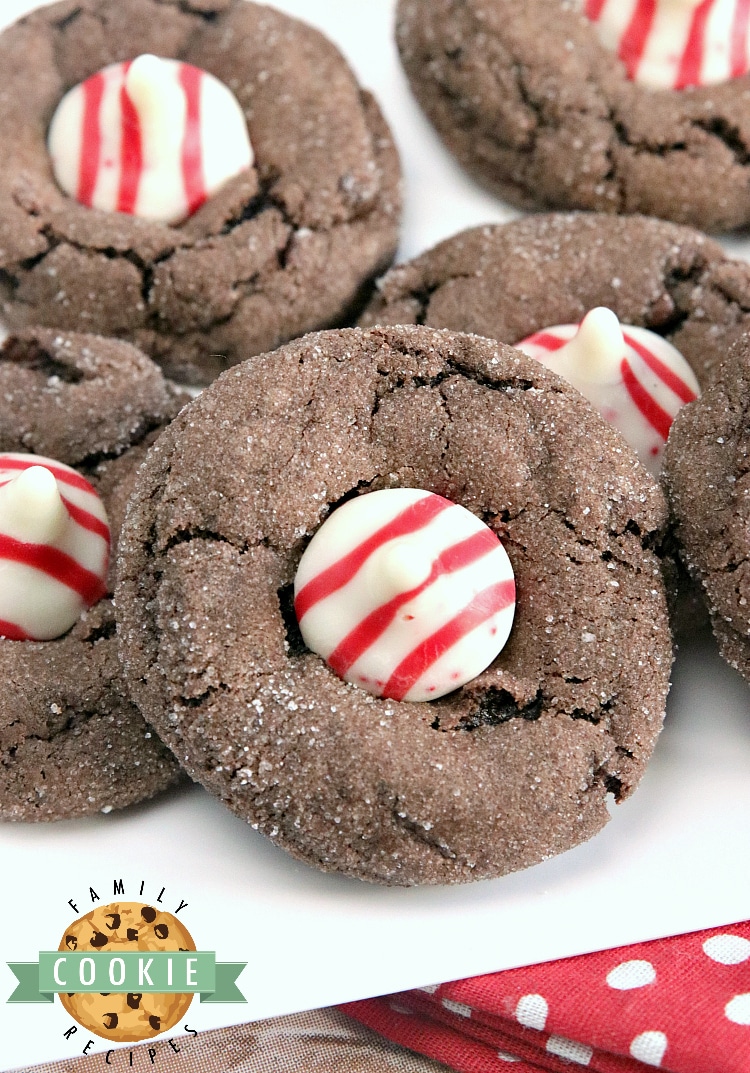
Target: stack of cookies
(395,586)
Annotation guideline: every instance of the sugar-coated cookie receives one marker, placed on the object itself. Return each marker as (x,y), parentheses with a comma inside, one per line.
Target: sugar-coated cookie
(707,466)
(290,244)
(511,768)
(508,281)
(71,740)
(532,101)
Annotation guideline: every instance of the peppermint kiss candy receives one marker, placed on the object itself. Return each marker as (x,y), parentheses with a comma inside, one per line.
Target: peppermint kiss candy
(405,594)
(151,137)
(54,547)
(635,379)
(671,44)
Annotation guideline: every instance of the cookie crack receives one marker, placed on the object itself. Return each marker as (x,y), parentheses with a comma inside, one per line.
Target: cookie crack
(495,707)
(68,20)
(418,833)
(147,425)
(30,354)
(186,536)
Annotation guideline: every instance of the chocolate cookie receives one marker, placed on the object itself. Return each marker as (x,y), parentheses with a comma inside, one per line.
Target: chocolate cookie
(71,740)
(288,246)
(707,465)
(509,281)
(121,927)
(513,767)
(530,101)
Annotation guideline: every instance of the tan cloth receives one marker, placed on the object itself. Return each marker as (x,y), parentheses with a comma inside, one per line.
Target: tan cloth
(321,1041)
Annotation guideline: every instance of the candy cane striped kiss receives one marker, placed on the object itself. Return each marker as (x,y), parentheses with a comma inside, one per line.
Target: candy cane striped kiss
(405,594)
(635,379)
(672,44)
(150,137)
(54,547)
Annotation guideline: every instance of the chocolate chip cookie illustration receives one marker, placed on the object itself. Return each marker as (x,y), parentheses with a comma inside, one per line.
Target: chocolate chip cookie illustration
(123,927)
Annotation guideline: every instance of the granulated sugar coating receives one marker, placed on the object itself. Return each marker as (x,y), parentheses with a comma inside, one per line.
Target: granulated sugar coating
(510,769)
(508,281)
(291,245)
(530,101)
(71,740)
(707,475)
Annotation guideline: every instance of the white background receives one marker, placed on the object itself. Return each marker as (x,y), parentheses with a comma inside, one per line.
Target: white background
(676,857)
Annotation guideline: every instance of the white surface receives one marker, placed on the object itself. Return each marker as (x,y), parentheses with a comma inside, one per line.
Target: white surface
(676,856)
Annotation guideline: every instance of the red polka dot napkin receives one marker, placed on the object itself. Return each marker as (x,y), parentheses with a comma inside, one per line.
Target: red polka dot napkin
(680,1004)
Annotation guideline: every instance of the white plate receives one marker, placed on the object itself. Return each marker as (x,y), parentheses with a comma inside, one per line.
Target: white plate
(676,857)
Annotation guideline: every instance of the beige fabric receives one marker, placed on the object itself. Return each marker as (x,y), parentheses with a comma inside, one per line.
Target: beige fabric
(321,1041)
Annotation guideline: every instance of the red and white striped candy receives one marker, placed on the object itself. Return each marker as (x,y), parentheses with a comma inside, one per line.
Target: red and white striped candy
(405,594)
(150,137)
(54,547)
(635,379)
(672,44)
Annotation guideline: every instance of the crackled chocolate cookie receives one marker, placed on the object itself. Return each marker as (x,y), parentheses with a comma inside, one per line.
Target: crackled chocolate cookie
(514,766)
(71,740)
(529,98)
(510,281)
(707,475)
(290,244)
(121,927)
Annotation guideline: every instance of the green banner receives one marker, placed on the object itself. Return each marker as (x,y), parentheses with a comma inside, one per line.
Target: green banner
(134,972)
(27,974)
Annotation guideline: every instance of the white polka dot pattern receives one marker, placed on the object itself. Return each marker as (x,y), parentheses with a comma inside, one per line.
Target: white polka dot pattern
(457,1007)
(738,1010)
(649,1048)
(680,1004)
(531,1011)
(570,1050)
(630,974)
(727,949)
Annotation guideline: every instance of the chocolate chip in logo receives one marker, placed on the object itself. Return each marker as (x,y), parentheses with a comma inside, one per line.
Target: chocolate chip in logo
(115,918)
(71,942)
(155,1021)
(132,935)
(148,913)
(134,1001)
(161,931)
(110,1021)
(99,939)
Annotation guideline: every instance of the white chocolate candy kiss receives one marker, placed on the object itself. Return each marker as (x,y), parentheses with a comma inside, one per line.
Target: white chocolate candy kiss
(54,547)
(635,379)
(151,137)
(405,594)
(673,44)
